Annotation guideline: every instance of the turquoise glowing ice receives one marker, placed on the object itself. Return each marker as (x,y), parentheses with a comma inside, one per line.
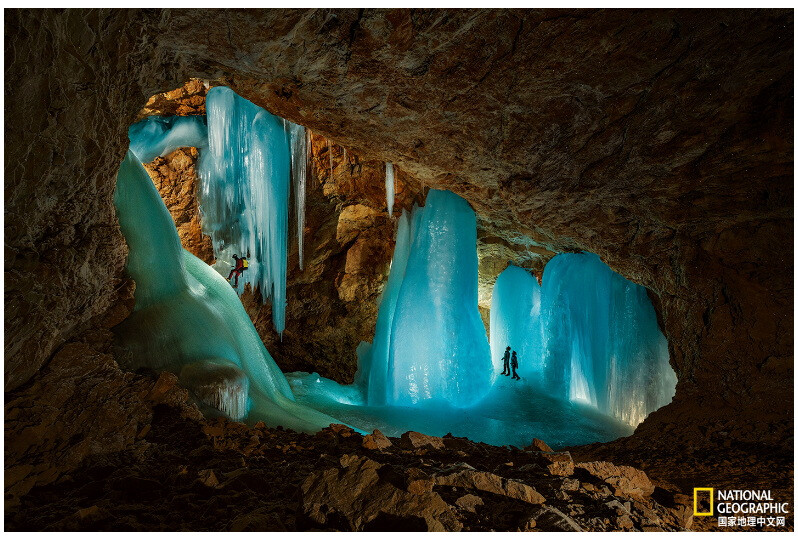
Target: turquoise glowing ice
(602,343)
(186,314)
(246,177)
(515,320)
(158,136)
(430,345)
(247,162)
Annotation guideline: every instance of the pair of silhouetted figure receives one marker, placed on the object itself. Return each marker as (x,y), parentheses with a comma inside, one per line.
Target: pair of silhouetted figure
(510,362)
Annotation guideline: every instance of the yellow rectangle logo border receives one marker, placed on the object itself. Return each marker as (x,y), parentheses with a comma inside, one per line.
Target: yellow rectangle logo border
(711,491)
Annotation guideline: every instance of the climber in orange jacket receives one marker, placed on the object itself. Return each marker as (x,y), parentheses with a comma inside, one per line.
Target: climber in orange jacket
(242,264)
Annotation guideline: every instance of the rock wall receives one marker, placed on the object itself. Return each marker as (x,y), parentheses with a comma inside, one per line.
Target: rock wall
(69,97)
(175,176)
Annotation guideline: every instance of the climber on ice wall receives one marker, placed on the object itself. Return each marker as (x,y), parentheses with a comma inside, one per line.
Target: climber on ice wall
(241,265)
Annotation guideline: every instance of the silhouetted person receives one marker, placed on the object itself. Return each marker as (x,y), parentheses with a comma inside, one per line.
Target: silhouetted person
(506,359)
(514,365)
(241,265)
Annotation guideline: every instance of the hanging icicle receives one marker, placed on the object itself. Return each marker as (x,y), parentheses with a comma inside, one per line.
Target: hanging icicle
(246,174)
(299,167)
(389,187)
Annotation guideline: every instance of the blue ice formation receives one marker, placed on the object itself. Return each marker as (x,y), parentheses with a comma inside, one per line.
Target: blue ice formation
(389,187)
(248,160)
(375,360)
(245,176)
(187,318)
(430,344)
(602,344)
(157,136)
(515,320)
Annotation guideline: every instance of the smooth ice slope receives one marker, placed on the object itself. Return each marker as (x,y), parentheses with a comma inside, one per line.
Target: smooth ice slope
(161,135)
(187,314)
(515,320)
(437,349)
(246,176)
(602,342)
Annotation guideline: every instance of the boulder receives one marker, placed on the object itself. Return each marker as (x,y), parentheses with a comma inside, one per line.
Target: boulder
(469,502)
(625,480)
(364,495)
(550,519)
(416,440)
(487,482)
(539,445)
(376,441)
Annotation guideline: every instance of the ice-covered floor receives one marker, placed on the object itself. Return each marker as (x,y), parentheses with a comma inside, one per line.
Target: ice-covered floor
(511,414)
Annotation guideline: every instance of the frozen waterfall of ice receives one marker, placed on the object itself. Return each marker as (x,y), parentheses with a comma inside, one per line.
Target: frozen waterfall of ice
(157,136)
(187,315)
(430,344)
(515,320)
(602,343)
(389,187)
(246,177)
(247,161)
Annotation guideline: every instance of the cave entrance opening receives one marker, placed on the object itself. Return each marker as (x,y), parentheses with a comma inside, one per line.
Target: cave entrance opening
(430,367)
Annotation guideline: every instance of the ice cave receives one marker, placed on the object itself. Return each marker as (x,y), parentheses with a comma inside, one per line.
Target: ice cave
(390,269)
(592,362)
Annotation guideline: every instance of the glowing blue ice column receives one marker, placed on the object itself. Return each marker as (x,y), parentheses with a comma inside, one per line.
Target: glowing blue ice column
(378,364)
(161,135)
(515,319)
(602,342)
(186,314)
(246,175)
(439,350)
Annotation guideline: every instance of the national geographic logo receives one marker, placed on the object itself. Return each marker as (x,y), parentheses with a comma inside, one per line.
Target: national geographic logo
(703,494)
(737,507)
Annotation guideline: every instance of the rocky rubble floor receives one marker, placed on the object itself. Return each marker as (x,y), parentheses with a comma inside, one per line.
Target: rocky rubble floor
(193,474)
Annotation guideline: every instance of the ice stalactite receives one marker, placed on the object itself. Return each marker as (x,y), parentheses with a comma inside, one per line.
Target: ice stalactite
(430,344)
(246,176)
(299,172)
(187,318)
(390,187)
(515,320)
(157,136)
(602,343)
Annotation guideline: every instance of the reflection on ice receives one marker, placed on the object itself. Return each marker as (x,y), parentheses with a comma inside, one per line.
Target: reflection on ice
(510,414)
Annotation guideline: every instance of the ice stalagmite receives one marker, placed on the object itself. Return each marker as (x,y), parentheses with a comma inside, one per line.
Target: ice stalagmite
(389,187)
(515,320)
(299,170)
(379,353)
(160,135)
(602,342)
(246,175)
(436,349)
(187,318)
